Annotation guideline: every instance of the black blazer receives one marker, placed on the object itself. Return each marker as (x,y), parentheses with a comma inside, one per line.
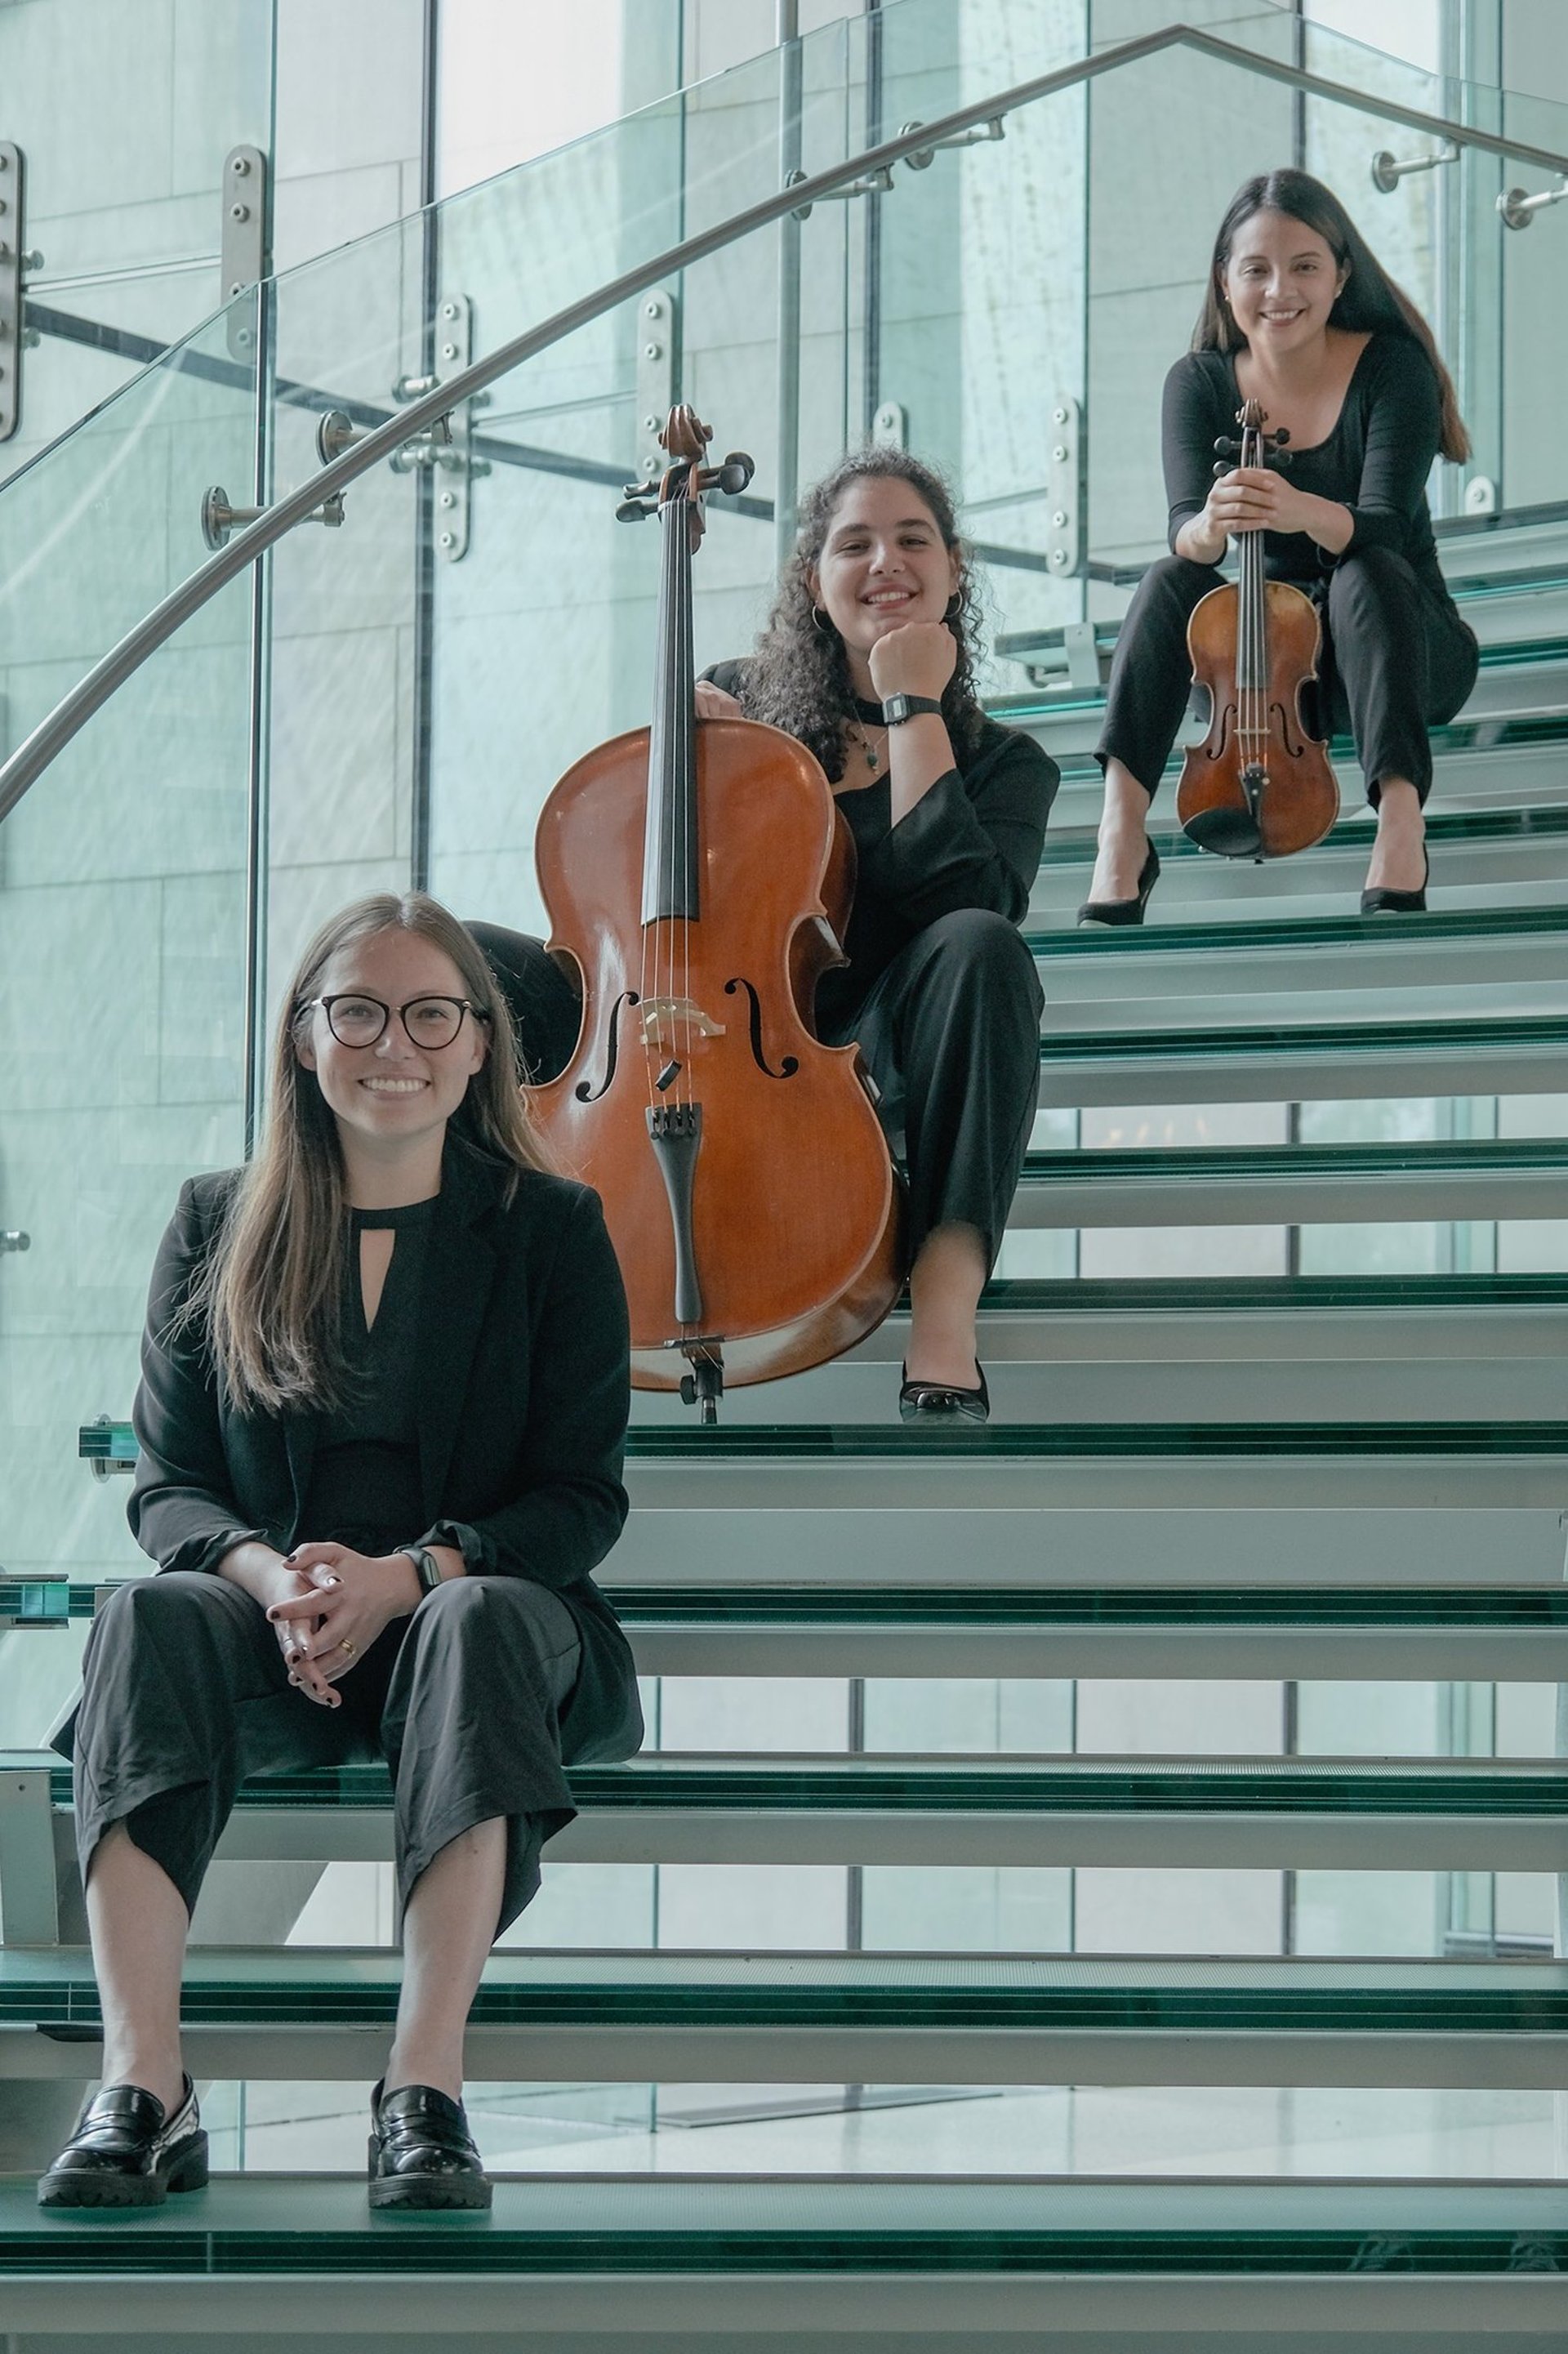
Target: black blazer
(521,1406)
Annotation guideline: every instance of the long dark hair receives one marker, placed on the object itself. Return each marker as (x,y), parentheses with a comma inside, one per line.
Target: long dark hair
(798,678)
(1369,302)
(269,1296)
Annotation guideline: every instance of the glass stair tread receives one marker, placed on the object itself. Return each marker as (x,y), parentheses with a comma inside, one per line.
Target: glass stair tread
(1457,1157)
(770,1781)
(1525,1609)
(1521,1032)
(1445,830)
(808,1442)
(1243,1295)
(956,2231)
(1396,934)
(334,1987)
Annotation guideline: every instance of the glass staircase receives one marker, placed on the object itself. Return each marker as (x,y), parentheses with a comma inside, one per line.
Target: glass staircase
(1094,1880)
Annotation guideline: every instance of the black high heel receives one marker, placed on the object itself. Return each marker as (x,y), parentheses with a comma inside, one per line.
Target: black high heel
(1124,911)
(1400,902)
(934,1402)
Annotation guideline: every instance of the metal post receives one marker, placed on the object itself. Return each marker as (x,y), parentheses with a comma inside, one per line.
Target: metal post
(786,477)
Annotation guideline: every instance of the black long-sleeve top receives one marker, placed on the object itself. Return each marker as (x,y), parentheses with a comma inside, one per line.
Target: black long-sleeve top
(1375,461)
(519,1398)
(972,840)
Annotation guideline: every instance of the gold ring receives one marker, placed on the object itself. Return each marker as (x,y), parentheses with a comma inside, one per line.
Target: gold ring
(352,1649)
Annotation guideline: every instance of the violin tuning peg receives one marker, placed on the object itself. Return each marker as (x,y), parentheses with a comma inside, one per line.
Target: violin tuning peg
(1281,437)
(1227,446)
(633,511)
(1220,469)
(735,472)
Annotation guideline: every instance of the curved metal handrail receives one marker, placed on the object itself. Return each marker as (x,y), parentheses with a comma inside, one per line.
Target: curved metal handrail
(27,763)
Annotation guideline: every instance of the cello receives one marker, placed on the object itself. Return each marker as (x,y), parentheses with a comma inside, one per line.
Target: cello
(1259,786)
(698,874)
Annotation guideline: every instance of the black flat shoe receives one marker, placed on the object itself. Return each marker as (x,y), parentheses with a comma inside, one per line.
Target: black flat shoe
(1124,911)
(1399,903)
(124,2153)
(421,2152)
(935,1403)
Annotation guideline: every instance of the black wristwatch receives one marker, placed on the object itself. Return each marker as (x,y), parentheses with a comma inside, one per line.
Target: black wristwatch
(427,1568)
(900,707)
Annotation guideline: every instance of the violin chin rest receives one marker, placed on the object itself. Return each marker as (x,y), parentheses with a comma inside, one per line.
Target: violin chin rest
(1228,833)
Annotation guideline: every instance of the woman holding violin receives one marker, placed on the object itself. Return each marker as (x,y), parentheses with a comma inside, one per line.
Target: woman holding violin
(869,659)
(1300,318)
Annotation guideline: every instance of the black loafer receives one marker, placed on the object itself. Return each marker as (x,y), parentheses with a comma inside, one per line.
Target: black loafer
(124,2153)
(421,2152)
(939,1404)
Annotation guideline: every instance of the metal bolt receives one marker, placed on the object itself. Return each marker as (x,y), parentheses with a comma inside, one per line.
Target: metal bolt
(652,351)
(449,351)
(448,498)
(1058,556)
(1058,416)
(650,310)
(449,310)
(244,335)
(1060,518)
(1059,452)
(447,540)
(239,165)
(239,212)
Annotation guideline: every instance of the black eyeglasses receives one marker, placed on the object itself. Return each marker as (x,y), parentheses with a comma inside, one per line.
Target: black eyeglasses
(429,1022)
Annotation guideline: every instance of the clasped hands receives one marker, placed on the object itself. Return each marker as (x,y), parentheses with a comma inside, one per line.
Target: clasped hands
(330,1605)
(1255,498)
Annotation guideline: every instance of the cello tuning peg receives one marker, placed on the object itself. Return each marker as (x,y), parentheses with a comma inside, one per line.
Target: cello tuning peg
(633,511)
(1281,437)
(735,472)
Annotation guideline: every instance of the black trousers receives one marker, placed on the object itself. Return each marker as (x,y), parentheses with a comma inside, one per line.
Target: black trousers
(1396,660)
(951,1032)
(186,1695)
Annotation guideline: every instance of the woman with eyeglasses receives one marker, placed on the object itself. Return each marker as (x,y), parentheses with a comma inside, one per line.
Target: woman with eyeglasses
(383,1400)
(1301,315)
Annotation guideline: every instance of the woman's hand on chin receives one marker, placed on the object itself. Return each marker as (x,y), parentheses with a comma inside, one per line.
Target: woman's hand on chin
(917,658)
(343,1601)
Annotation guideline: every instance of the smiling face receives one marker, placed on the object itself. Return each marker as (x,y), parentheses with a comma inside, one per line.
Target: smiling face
(391,1097)
(883,563)
(1281,280)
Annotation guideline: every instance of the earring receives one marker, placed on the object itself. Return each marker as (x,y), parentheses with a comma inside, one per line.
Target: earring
(821,622)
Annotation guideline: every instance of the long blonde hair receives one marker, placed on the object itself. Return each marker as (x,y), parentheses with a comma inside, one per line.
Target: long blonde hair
(269,1296)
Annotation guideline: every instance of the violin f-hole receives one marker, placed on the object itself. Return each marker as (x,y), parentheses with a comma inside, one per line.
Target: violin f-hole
(791,1064)
(585,1090)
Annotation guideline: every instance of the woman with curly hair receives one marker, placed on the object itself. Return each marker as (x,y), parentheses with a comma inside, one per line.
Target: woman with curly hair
(869,659)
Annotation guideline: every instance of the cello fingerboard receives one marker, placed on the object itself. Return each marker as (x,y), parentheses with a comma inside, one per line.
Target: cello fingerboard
(670,860)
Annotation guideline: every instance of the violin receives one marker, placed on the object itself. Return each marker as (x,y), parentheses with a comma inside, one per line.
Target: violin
(698,875)
(1259,786)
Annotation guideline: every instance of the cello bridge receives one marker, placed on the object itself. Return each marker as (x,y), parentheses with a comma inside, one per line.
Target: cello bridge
(670,1022)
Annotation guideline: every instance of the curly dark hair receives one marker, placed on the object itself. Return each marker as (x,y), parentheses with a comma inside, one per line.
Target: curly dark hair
(798,677)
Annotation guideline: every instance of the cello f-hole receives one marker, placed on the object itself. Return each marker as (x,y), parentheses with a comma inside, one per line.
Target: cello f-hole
(585,1090)
(790,1063)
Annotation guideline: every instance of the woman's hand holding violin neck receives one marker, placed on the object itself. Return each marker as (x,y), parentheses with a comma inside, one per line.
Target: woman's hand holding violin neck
(1255,498)
(346,1600)
(917,658)
(714,703)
